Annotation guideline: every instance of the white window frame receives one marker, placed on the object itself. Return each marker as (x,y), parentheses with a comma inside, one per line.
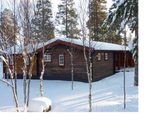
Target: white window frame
(61,60)
(47,57)
(106,56)
(99,56)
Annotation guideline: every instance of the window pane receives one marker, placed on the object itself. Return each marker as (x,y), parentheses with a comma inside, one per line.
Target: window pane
(106,56)
(61,60)
(47,58)
(99,56)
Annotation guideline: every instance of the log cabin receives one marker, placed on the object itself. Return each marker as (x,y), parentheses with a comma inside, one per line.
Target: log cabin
(107,58)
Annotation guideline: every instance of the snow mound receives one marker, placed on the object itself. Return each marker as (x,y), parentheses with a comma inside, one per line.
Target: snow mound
(40,104)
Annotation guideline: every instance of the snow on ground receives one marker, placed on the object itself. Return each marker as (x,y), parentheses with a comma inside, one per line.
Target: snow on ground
(107,94)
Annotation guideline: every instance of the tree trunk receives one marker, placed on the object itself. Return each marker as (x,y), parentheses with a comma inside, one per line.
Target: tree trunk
(42,72)
(41,79)
(15,69)
(66,17)
(14,89)
(90,87)
(89,74)
(136,74)
(72,72)
(25,57)
(125,40)
(72,66)
(87,57)
(15,98)
(30,76)
(136,82)
(25,87)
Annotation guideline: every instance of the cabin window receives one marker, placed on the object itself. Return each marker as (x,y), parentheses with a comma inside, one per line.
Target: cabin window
(27,61)
(61,59)
(99,56)
(47,58)
(105,56)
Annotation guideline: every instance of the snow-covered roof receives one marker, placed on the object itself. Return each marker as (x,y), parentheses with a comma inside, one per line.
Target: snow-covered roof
(94,44)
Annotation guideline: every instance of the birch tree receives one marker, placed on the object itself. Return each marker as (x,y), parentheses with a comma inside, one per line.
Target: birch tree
(43,30)
(70,51)
(5,38)
(28,46)
(87,46)
(31,42)
(6,58)
(42,72)
(7,26)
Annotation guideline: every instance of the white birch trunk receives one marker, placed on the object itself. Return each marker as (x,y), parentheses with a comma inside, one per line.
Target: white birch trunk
(42,73)
(89,74)
(72,66)
(12,83)
(24,69)
(30,76)
(15,69)
(88,62)
(41,79)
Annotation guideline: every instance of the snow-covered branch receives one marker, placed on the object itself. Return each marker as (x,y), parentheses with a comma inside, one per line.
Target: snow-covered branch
(7,82)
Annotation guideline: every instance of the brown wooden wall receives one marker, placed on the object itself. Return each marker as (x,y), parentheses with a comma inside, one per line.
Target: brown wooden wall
(54,71)
(102,68)
(19,66)
(119,60)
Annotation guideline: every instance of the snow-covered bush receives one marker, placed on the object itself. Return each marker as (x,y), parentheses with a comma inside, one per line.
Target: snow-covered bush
(40,104)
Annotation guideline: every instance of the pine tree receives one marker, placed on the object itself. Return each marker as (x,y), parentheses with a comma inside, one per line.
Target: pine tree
(125,12)
(66,19)
(7,31)
(25,16)
(42,23)
(111,36)
(97,15)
